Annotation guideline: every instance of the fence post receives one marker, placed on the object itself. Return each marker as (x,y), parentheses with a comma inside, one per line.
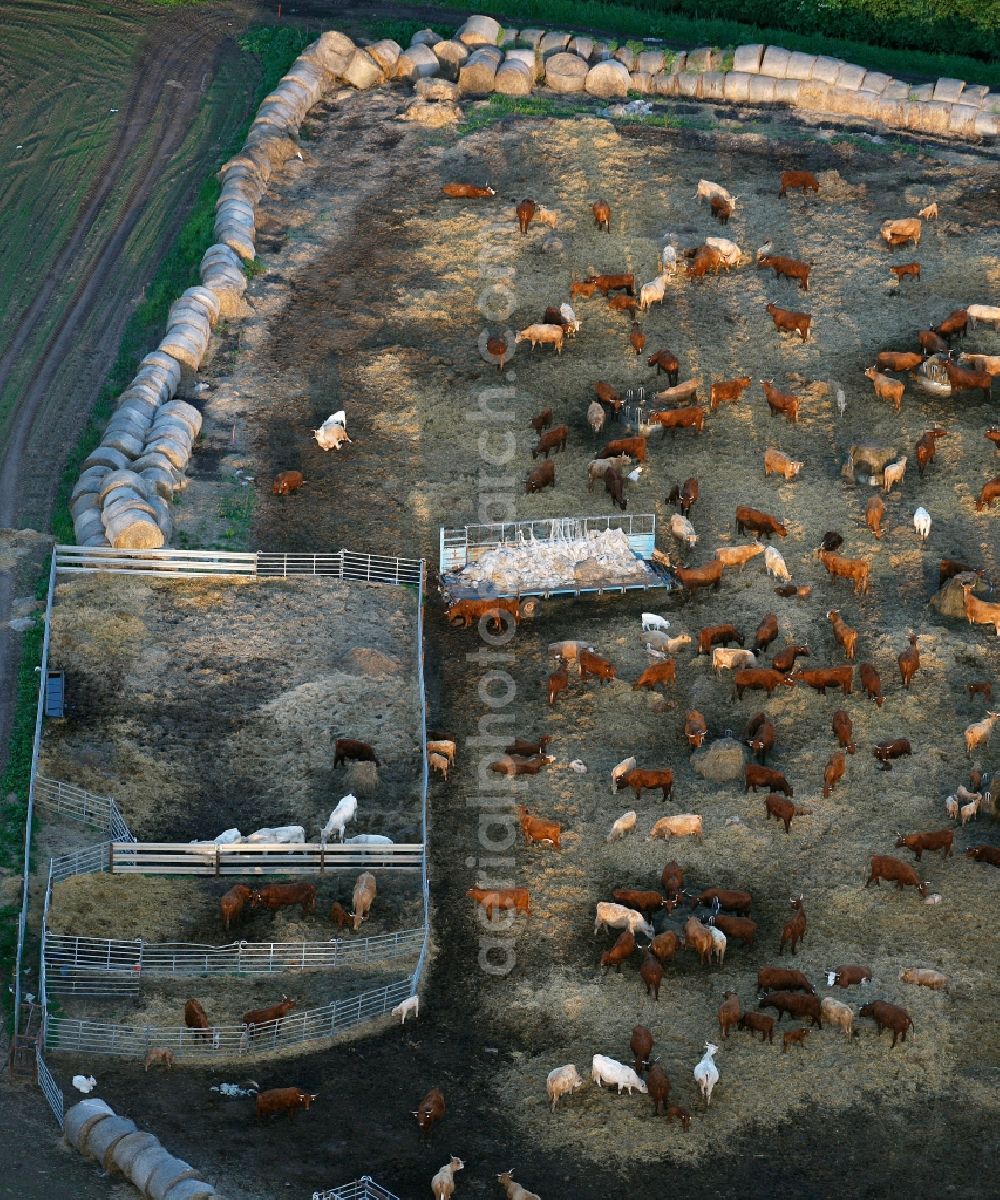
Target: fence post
(218,859)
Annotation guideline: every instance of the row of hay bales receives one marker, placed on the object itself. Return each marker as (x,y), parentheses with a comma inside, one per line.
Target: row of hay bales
(483,58)
(94,1129)
(123,495)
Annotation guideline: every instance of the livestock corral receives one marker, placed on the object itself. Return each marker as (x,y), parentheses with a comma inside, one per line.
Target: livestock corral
(377,292)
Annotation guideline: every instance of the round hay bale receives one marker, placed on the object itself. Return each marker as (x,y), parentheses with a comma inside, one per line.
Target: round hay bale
(713,85)
(425,37)
(332,50)
(443,112)
(119,479)
(176,451)
(88,525)
(876,81)
(566,73)
(159,483)
(127,443)
(238,239)
(827,70)
(799,65)
(608,80)
(532,38)
(514,78)
(78,1120)
(363,72)
(850,76)
(478,73)
(479,31)
(530,60)
(554,42)
(436,89)
(97,539)
(106,456)
(747,58)
(204,299)
(987,125)
(948,90)
(156,358)
(153,460)
(104,1136)
(165,1174)
(163,516)
(775,62)
(181,410)
(721,762)
(134,531)
(451,57)
(761,89)
(130,420)
(641,82)
(418,62)
(963,119)
(143,397)
(277,147)
(153,382)
(187,343)
(666,85)
(786,91)
(689,85)
(651,62)
(386,53)
(89,481)
(736,86)
(144,1163)
(627,57)
(191,1189)
(584,46)
(362,778)
(116,510)
(85,502)
(125,1152)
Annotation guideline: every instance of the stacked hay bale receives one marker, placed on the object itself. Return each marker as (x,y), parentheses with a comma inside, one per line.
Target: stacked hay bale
(92,1128)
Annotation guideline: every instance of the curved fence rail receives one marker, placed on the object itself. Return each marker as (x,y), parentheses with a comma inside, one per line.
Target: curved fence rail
(68,800)
(97,965)
(228,1041)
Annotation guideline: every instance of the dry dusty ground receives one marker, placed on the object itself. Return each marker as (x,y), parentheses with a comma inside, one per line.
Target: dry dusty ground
(369,304)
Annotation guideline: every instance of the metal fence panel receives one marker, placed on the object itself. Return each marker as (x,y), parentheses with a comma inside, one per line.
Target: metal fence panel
(47,1083)
(71,801)
(364,1188)
(82,862)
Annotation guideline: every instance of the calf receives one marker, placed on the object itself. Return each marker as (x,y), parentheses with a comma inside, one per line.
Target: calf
(558,681)
(790,268)
(871,682)
(796,1005)
(602,215)
(542,421)
(659,673)
(758,522)
(776,463)
(803,180)
(287,482)
(729,660)
(659,1087)
(795,928)
(651,974)
(755,1022)
(755,776)
(845,635)
(593,664)
(722,210)
(536,829)
(728,390)
(793,1037)
(909,661)
(780,402)
(350,749)
(684,496)
(888,1016)
(894,870)
(906,270)
(159,1057)
(783,809)
(512,765)
(614,485)
(552,439)
(848,976)
(524,212)
(787,321)
(615,283)
(761,678)
(989,492)
(833,773)
(843,730)
(874,514)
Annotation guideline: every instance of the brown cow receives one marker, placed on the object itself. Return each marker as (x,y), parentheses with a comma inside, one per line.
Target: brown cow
(275,896)
(722,210)
(888,1016)
(733,900)
(795,1004)
(542,421)
(651,974)
(984,853)
(845,635)
(718,635)
(740,929)
(784,660)
(962,379)
(558,682)
(899,360)
(490,899)
(728,390)
(695,729)
(782,809)
(955,324)
(833,773)
(767,631)
(793,1037)
(593,664)
(888,750)
(755,776)
(758,522)
(843,730)
(698,939)
(639,781)
(468,612)
(536,829)
(857,570)
(706,258)
(729,1012)
(540,477)
(279,1100)
(658,1086)
(641,1045)
(790,268)
(931,343)
(351,748)
(761,739)
(782,979)
(430,1110)
(339,915)
(755,1022)
(627,304)
(231,905)
(909,661)
(602,215)
(691,417)
(608,397)
(672,879)
(989,492)
(926,447)
(821,678)
(874,514)
(467,191)
(620,952)
(665,945)
(275,1014)
(525,211)
(941,840)
(904,270)
(871,682)
(798,179)
(195,1017)
(287,482)
(552,439)
(512,764)
(634,447)
(788,321)
(641,901)
(849,975)
(659,673)
(666,361)
(684,495)
(795,928)
(760,679)
(692,578)
(614,283)
(894,870)
(780,402)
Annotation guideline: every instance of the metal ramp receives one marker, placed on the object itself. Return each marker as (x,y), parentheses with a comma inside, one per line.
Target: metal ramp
(21,1060)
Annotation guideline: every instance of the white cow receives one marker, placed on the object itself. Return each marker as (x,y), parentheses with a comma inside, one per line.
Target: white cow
(281,833)
(569,316)
(707,189)
(331,435)
(989,314)
(624,824)
(227,838)
(706,1073)
(623,768)
(408,1007)
(368,839)
(652,292)
(611,1071)
(652,621)
(683,530)
(562,1081)
(617,916)
(774,564)
(731,253)
(922,523)
(346,810)
(718,944)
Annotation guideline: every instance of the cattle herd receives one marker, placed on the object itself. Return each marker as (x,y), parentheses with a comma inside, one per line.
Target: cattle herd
(654,925)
